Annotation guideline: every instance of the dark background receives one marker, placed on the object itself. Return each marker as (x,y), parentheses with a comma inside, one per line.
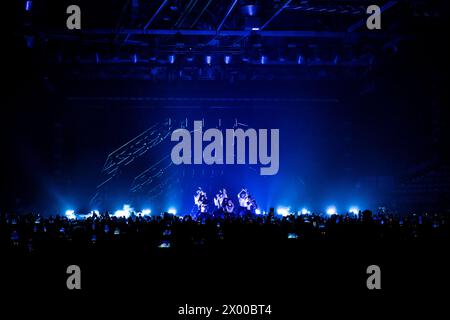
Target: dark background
(366,114)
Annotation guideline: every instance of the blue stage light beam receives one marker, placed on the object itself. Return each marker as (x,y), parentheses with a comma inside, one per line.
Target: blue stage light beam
(305,211)
(70,214)
(124,213)
(283,211)
(331,210)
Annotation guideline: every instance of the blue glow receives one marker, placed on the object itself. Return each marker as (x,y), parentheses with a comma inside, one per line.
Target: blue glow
(135,58)
(172,211)
(28,5)
(164,244)
(70,214)
(331,210)
(91,214)
(257,211)
(305,211)
(227,59)
(255,29)
(171,59)
(283,211)
(124,213)
(300,59)
(208,59)
(354,210)
(146,212)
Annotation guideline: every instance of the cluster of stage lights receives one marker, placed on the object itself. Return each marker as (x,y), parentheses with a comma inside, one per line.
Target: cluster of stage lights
(127,211)
(331,210)
(227,59)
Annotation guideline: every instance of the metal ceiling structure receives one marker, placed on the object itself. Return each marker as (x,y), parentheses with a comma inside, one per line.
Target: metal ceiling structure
(210,37)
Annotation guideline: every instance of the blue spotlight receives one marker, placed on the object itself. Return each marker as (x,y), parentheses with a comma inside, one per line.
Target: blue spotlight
(257,211)
(135,58)
(300,59)
(124,213)
(283,211)
(305,211)
(331,210)
(208,59)
(227,59)
(29,40)
(171,58)
(70,214)
(28,5)
(255,29)
(146,212)
(91,214)
(354,210)
(172,211)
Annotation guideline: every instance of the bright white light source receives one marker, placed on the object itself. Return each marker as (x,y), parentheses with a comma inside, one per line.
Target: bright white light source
(124,213)
(283,211)
(354,210)
(146,212)
(305,211)
(257,211)
(172,211)
(70,214)
(331,210)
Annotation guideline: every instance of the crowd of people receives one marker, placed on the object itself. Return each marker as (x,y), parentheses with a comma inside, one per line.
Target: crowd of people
(34,233)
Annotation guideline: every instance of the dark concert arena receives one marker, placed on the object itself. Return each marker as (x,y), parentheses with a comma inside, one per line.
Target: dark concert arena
(226,159)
